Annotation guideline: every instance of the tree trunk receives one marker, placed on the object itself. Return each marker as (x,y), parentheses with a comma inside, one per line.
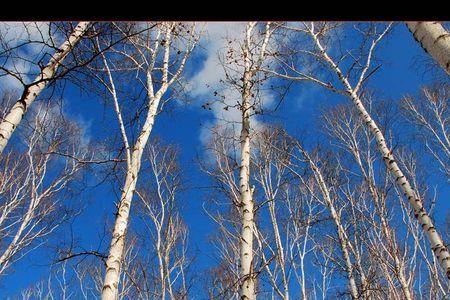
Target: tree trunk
(342,236)
(13,118)
(115,257)
(9,252)
(280,250)
(434,39)
(247,288)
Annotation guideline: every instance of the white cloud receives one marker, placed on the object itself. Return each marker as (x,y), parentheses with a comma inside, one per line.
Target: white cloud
(219,36)
(214,42)
(23,59)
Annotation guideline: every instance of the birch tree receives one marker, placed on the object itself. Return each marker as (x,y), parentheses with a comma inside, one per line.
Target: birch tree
(423,260)
(13,118)
(223,170)
(159,57)
(434,39)
(242,65)
(286,233)
(358,72)
(429,115)
(351,135)
(166,231)
(252,60)
(335,212)
(33,182)
(247,290)
(270,174)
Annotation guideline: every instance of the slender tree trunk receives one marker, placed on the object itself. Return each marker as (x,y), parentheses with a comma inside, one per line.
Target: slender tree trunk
(280,250)
(6,256)
(247,280)
(13,118)
(398,265)
(247,288)
(434,39)
(343,241)
(342,236)
(161,262)
(302,262)
(161,266)
(115,257)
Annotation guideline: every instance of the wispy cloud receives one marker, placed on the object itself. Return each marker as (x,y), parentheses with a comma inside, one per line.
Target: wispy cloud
(217,35)
(218,38)
(30,42)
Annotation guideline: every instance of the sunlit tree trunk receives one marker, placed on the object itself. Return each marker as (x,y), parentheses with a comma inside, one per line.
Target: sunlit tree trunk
(434,39)
(164,41)
(114,260)
(246,193)
(252,64)
(13,118)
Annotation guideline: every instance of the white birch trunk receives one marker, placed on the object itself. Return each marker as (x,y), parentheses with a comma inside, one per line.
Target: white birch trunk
(247,280)
(247,288)
(114,261)
(434,39)
(115,257)
(9,252)
(280,250)
(13,118)
(343,239)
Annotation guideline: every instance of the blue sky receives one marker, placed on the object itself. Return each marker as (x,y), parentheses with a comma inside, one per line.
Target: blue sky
(186,124)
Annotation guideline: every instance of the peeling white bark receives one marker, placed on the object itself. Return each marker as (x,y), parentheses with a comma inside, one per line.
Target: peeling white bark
(247,277)
(13,118)
(247,203)
(434,39)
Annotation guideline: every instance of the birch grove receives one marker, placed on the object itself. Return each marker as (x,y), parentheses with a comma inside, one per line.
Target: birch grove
(290,160)
(353,92)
